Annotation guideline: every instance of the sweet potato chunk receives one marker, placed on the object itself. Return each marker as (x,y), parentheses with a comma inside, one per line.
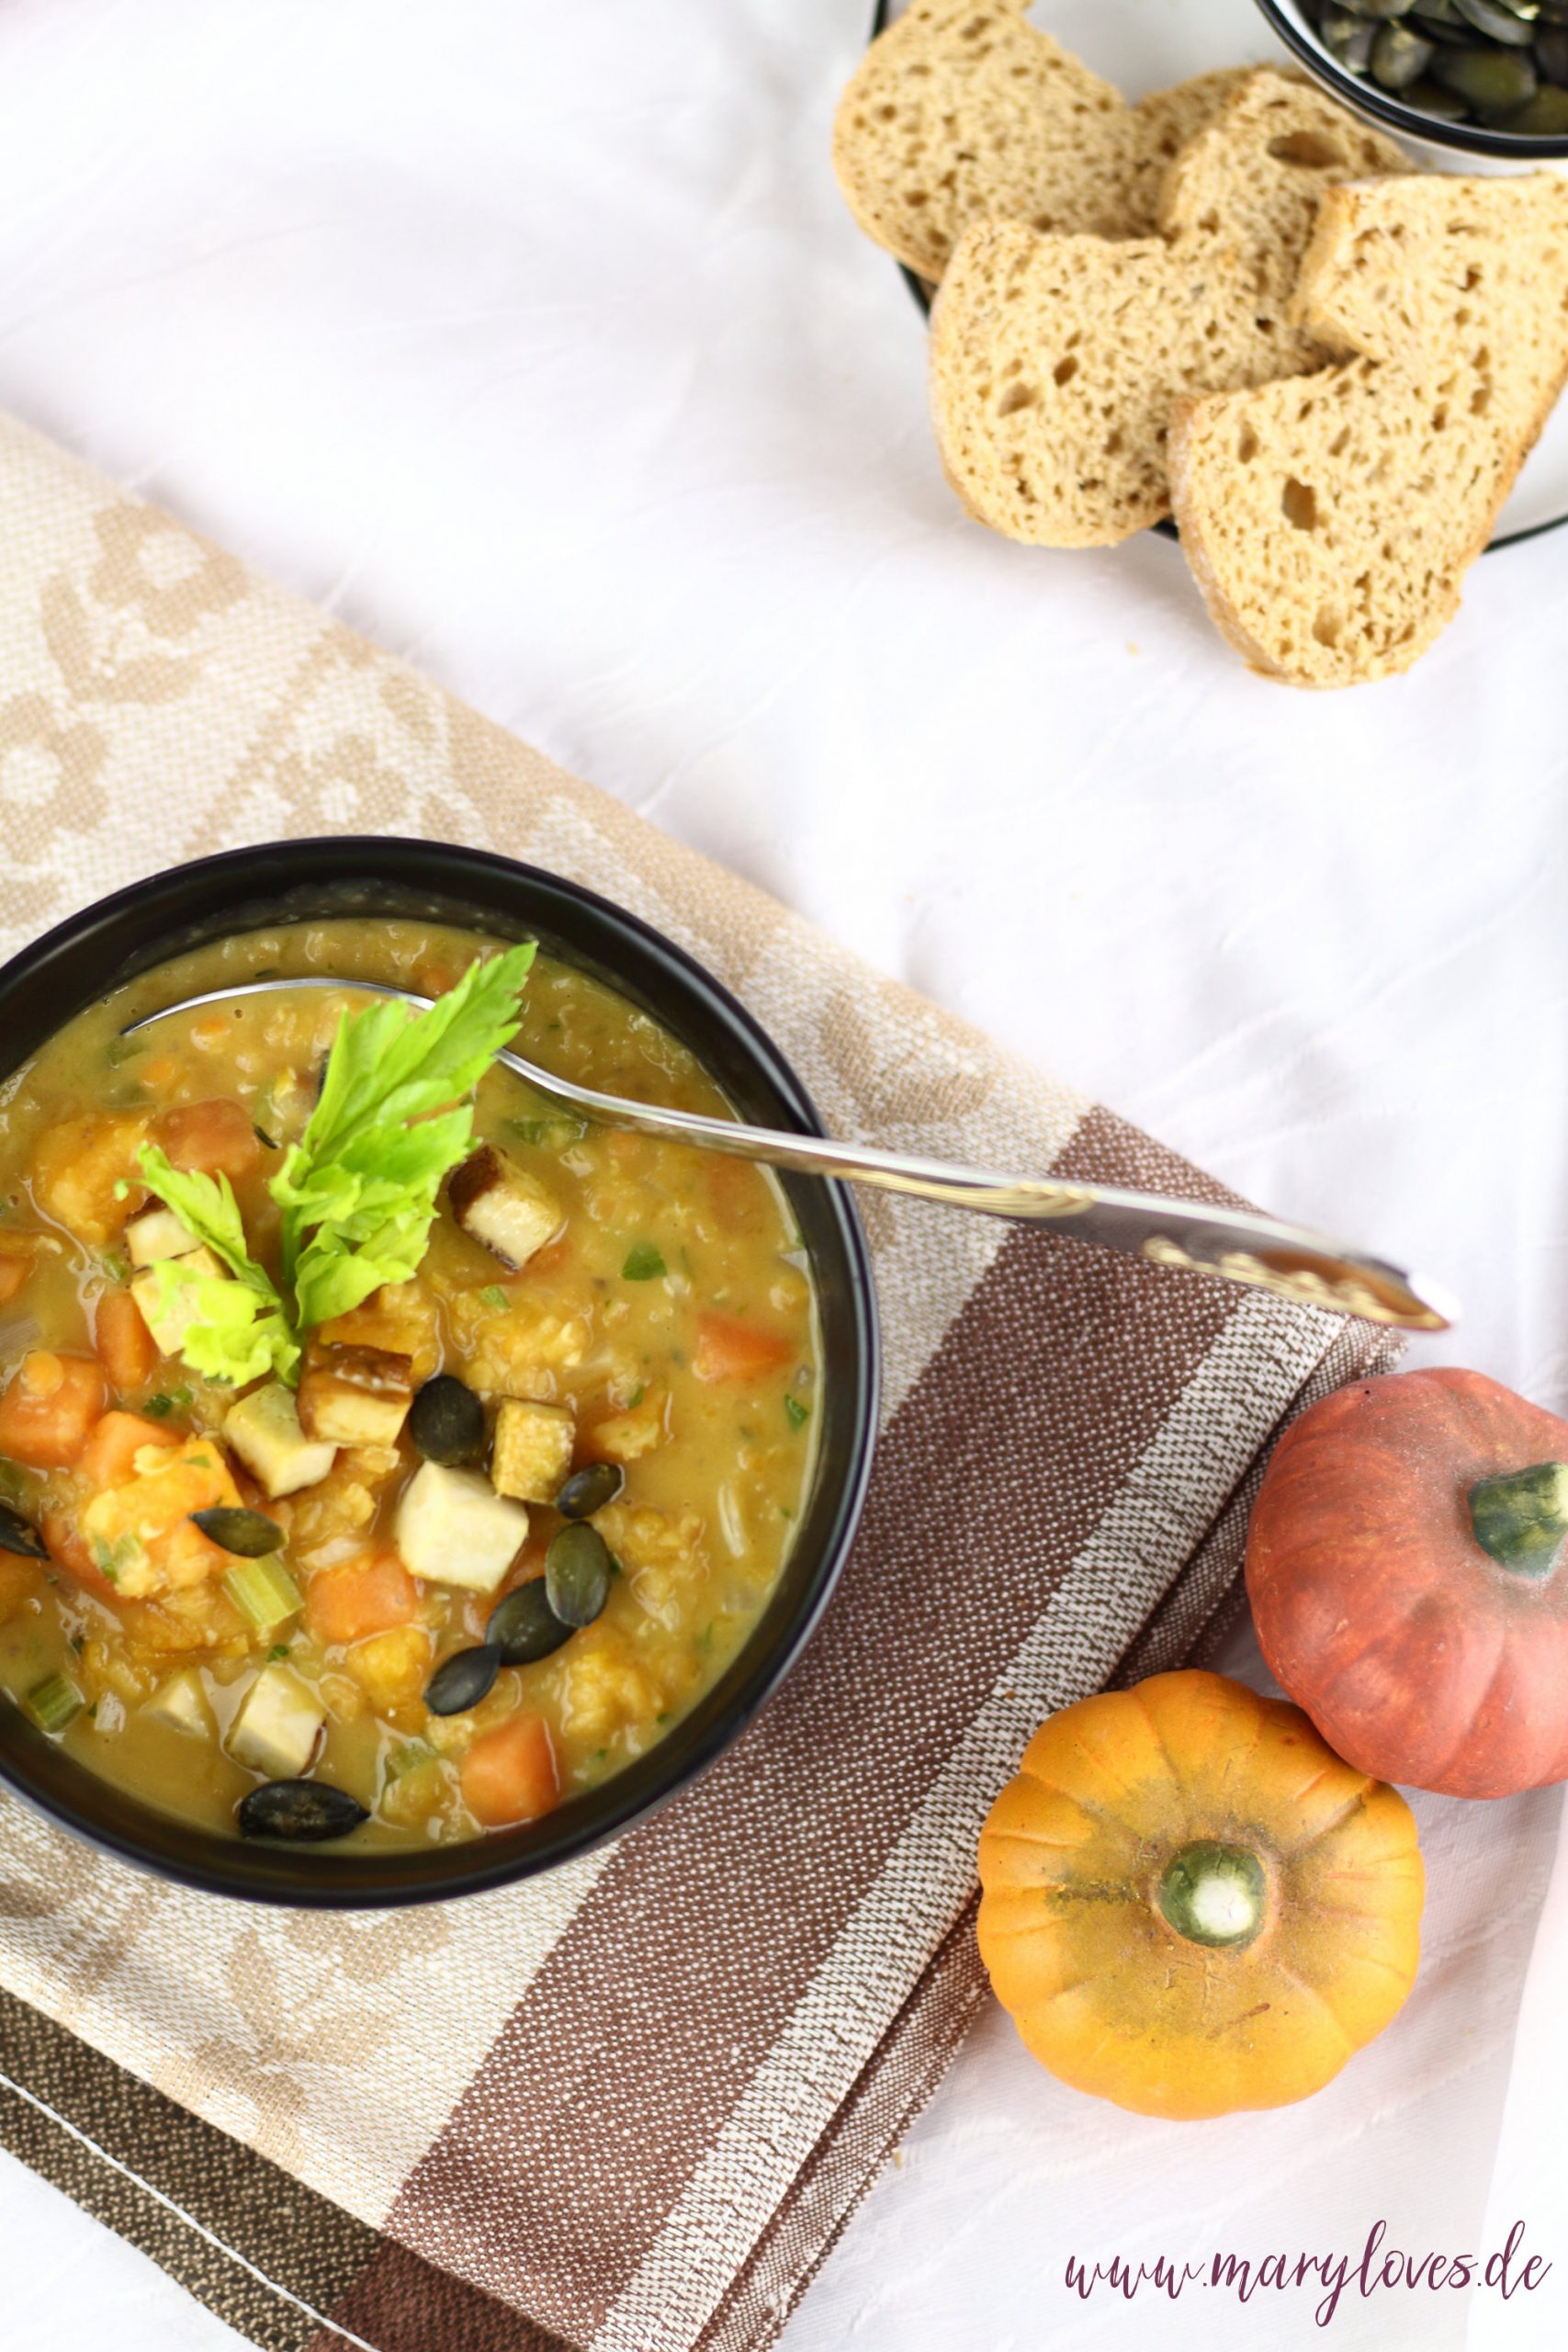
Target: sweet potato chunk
(49,1408)
(139,1531)
(109,1458)
(731,1349)
(360,1599)
(77,1167)
(509,1774)
(127,1348)
(219,1137)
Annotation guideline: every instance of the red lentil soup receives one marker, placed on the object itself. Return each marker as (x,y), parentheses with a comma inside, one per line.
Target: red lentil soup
(507,1520)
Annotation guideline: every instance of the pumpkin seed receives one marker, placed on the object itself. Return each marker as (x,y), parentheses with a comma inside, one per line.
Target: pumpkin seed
(1400,57)
(17,1536)
(592,1489)
(1454,36)
(447,1422)
(248,1535)
(300,1810)
(1515,31)
(1433,100)
(462,1680)
(1350,39)
(577,1573)
(523,1626)
(1456,60)
(1492,79)
(1546,116)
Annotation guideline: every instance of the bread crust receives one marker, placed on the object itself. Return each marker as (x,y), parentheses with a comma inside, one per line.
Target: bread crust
(1507,242)
(1055,360)
(962,110)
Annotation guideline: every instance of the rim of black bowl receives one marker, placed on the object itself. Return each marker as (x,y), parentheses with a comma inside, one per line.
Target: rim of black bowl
(75,964)
(1296,36)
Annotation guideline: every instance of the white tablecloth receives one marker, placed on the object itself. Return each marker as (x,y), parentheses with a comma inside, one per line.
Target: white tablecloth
(533,339)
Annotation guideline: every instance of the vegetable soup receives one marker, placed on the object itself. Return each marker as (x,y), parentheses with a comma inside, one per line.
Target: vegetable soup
(385,1453)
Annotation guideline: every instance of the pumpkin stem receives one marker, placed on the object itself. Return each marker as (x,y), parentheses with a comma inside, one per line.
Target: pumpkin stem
(1213,1894)
(1521,1520)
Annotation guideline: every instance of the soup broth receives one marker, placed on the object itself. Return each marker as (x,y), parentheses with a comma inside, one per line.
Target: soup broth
(609,1354)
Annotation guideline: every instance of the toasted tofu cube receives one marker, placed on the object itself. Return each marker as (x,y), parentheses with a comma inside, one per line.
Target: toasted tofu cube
(533,1451)
(181,1702)
(158,1234)
(453,1528)
(169,1324)
(277,1727)
(504,1206)
(355,1395)
(264,1429)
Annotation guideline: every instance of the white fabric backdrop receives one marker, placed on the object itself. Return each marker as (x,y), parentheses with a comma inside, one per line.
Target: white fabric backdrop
(535,340)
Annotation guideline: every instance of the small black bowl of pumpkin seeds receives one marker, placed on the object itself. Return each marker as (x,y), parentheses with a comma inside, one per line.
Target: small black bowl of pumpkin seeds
(1485,77)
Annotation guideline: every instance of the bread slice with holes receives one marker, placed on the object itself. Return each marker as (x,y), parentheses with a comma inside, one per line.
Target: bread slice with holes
(1055,360)
(1330,521)
(961,111)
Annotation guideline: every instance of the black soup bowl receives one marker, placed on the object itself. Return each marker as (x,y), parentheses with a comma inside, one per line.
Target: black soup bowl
(219,898)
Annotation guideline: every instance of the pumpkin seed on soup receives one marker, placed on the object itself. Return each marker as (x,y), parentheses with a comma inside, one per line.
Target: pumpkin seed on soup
(577,1573)
(591,1489)
(247,1534)
(17,1537)
(525,1627)
(300,1811)
(460,1682)
(446,1421)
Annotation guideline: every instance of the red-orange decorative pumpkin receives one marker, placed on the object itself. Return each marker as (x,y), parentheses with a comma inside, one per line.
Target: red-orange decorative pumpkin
(1408,1565)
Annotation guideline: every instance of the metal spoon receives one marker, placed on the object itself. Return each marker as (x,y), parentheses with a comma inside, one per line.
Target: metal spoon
(1257,1250)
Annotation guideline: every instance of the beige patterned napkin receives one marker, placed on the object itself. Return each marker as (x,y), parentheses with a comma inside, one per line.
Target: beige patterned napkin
(628,2107)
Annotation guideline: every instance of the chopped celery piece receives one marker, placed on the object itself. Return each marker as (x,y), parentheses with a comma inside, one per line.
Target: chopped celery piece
(53,1703)
(264,1592)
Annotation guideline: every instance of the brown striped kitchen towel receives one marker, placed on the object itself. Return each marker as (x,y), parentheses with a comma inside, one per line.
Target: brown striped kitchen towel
(630,2106)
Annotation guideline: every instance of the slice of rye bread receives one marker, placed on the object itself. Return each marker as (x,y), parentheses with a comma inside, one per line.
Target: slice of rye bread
(1330,522)
(961,111)
(1055,360)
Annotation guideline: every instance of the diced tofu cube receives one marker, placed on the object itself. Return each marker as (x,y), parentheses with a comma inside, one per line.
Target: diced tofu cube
(158,1234)
(533,1451)
(504,1206)
(264,1429)
(453,1528)
(355,1395)
(181,1702)
(277,1727)
(169,1324)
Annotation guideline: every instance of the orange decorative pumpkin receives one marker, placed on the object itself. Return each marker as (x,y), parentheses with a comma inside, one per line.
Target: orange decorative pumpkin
(1191,1905)
(1406,1567)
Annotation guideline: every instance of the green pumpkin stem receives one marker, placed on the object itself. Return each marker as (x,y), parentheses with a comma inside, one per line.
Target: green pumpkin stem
(1213,1894)
(1521,1520)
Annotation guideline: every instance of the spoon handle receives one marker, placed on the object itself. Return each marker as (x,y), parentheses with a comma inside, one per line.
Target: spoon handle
(1234,1244)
